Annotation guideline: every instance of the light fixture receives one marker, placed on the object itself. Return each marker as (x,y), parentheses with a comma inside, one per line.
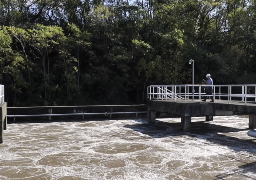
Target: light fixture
(191,61)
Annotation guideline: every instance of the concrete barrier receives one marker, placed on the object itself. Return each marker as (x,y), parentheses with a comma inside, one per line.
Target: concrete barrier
(3,120)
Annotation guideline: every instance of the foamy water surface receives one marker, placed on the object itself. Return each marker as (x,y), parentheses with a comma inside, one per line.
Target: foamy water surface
(129,149)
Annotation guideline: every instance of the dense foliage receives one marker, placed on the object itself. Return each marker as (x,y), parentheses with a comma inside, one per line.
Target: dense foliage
(72,52)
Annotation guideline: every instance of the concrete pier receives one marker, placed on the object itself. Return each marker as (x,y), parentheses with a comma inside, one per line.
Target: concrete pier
(186,123)
(152,117)
(3,120)
(189,109)
(252,121)
(208,118)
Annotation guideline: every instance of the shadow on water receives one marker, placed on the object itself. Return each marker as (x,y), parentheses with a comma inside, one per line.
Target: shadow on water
(241,170)
(211,132)
(249,167)
(164,129)
(203,130)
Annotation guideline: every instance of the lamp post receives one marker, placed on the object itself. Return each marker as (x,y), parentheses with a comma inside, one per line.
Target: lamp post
(191,61)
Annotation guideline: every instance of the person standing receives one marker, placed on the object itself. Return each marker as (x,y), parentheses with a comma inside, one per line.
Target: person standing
(209,81)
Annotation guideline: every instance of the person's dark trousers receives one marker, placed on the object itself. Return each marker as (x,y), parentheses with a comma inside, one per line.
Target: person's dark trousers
(208,92)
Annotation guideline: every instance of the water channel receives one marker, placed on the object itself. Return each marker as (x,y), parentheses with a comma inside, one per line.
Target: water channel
(129,149)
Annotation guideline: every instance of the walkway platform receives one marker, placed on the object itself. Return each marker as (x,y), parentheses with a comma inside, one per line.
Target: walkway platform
(196,108)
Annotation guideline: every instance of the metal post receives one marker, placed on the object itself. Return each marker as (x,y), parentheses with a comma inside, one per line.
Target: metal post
(50,112)
(193,82)
(213,92)
(158,92)
(150,92)
(191,61)
(175,93)
(162,92)
(165,92)
(153,92)
(3,94)
(147,92)
(219,91)
(245,94)
(188,91)
(230,93)
(180,90)
(255,94)
(242,93)
(200,92)
(185,93)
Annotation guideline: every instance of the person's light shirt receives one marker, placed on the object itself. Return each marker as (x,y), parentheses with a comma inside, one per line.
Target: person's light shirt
(209,82)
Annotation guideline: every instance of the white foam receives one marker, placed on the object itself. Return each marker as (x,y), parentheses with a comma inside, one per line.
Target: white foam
(168,153)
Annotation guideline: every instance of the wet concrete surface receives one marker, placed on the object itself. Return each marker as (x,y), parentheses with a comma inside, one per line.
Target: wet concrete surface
(129,149)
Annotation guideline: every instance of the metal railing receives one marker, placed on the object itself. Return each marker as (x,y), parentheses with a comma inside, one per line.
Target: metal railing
(239,92)
(1,94)
(109,114)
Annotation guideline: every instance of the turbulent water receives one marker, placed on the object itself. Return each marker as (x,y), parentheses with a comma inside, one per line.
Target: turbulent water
(129,149)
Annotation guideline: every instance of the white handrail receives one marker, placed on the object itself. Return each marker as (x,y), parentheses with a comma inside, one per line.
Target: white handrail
(1,94)
(76,114)
(246,92)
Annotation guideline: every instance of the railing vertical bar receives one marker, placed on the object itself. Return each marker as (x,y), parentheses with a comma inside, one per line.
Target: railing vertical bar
(213,92)
(219,92)
(158,93)
(175,92)
(162,92)
(1,94)
(150,92)
(231,93)
(149,87)
(153,95)
(50,112)
(255,93)
(228,94)
(166,91)
(147,92)
(188,91)
(185,93)
(245,94)
(200,91)
(180,90)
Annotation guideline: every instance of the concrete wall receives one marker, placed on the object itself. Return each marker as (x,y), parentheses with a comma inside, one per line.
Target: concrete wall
(3,120)
(201,109)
